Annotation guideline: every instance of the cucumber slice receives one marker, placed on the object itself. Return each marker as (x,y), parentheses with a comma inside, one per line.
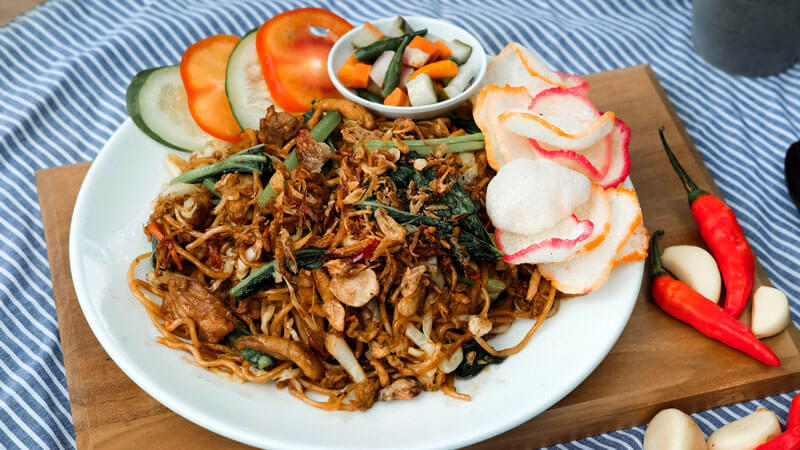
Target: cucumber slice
(458,83)
(421,91)
(461,51)
(156,102)
(366,36)
(399,27)
(244,83)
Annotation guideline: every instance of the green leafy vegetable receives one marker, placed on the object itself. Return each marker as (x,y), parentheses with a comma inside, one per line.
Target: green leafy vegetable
(246,161)
(257,359)
(465,123)
(307,258)
(310,258)
(456,205)
(404,175)
(473,364)
(307,115)
(404,217)
(154,244)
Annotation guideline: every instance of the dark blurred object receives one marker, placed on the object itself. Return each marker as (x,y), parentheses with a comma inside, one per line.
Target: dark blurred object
(791,170)
(747,37)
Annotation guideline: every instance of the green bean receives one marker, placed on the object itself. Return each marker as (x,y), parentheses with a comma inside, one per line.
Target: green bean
(392,78)
(370,96)
(455,144)
(320,132)
(371,52)
(375,143)
(209,184)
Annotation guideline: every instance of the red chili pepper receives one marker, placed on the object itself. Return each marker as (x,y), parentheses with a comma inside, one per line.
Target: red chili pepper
(367,252)
(724,237)
(158,232)
(788,440)
(685,304)
(794,413)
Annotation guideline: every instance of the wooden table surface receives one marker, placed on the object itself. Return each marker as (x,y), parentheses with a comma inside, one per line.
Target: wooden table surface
(12,8)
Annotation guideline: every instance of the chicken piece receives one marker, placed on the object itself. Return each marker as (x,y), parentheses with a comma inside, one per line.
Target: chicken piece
(195,208)
(339,267)
(411,279)
(276,128)
(311,154)
(187,297)
(285,349)
(479,326)
(335,313)
(347,108)
(410,291)
(237,190)
(356,133)
(364,394)
(400,389)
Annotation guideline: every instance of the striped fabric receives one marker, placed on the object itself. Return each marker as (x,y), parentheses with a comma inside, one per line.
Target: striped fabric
(64,68)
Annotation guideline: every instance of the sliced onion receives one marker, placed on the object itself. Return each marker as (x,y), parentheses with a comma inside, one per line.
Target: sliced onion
(448,365)
(427,323)
(172,165)
(339,349)
(467,158)
(181,189)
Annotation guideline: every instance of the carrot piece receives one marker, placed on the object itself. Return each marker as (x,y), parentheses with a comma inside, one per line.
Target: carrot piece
(361,75)
(354,74)
(345,74)
(374,30)
(157,232)
(443,50)
(358,76)
(398,97)
(437,70)
(425,45)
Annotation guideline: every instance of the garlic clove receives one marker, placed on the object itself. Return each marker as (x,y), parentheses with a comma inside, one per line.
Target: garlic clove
(746,433)
(770,312)
(672,429)
(695,267)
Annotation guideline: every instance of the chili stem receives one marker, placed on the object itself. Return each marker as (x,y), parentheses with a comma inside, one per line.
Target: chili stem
(689,185)
(658,269)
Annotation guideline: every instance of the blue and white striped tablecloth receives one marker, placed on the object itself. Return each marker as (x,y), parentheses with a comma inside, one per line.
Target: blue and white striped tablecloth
(64,68)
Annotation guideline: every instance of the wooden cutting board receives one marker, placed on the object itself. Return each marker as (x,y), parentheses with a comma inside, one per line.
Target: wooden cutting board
(658,362)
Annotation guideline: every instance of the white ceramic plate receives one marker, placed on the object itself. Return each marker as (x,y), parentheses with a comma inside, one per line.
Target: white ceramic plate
(106,235)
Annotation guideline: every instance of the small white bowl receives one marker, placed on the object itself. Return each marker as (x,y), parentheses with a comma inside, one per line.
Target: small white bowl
(343,48)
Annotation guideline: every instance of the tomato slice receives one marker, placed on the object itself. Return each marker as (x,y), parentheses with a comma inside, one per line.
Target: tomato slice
(203,68)
(294,59)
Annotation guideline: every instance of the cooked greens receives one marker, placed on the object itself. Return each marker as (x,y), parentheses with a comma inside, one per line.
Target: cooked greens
(307,258)
(475,360)
(456,206)
(257,359)
(246,161)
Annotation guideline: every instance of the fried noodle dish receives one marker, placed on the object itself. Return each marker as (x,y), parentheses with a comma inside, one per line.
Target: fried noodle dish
(346,257)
